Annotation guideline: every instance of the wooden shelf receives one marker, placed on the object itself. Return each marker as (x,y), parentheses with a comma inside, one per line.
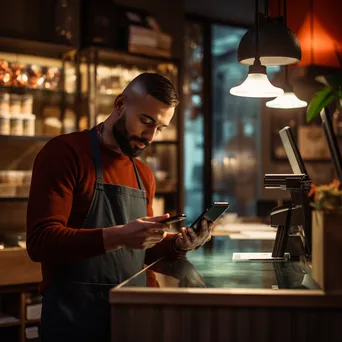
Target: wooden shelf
(12,324)
(32,321)
(34,48)
(17,268)
(25,137)
(110,56)
(13,199)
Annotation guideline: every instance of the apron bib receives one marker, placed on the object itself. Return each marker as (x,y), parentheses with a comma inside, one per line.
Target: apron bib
(76,305)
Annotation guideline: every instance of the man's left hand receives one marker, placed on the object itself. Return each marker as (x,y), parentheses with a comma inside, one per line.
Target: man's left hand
(188,240)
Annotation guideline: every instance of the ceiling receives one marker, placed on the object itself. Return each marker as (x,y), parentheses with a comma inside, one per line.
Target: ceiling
(237,11)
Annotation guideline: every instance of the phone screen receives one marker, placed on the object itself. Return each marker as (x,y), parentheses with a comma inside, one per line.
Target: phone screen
(212,214)
(175,219)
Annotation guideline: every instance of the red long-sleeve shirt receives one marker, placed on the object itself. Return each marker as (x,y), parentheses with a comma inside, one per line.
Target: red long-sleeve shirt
(62,187)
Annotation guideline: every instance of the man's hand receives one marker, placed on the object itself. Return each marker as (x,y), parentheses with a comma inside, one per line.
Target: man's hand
(142,233)
(188,240)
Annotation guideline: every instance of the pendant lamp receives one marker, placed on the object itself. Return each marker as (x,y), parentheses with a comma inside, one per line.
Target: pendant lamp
(278,45)
(288,100)
(257,83)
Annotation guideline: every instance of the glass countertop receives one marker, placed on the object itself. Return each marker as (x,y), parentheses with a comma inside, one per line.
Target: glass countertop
(212,266)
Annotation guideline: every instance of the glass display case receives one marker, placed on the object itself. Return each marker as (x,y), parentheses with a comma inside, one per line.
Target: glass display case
(41,97)
(37,102)
(36,96)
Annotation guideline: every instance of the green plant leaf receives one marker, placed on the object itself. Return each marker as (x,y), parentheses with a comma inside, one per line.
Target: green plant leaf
(320,100)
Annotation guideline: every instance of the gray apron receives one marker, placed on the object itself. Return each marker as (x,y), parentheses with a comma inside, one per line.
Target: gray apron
(76,306)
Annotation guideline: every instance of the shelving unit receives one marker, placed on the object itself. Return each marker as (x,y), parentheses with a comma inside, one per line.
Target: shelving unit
(18,152)
(87,99)
(13,305)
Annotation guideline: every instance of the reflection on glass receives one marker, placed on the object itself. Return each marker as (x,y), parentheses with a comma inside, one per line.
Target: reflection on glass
(193,122)
(236,126)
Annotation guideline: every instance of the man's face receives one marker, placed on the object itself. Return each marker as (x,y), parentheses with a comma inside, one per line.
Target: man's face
(141,120)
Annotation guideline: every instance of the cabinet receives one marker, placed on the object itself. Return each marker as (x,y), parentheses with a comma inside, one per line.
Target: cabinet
(20,310)
(64,90)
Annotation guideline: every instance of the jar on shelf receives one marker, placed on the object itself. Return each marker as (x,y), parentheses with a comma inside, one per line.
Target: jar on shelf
(14,177)
(5,73)
(69,121)
(19,76)
(27,177)
(52,79)
(26,104)
(5,126)
(15,104)
(8,190)
(16,123)
(35,77)
(4,103)
(52,126)
(29,124)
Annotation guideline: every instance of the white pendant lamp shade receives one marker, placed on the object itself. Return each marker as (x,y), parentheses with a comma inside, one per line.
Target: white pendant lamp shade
(287,101)
(256,85)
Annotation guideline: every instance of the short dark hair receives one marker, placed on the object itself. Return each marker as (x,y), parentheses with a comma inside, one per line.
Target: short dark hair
(158,87)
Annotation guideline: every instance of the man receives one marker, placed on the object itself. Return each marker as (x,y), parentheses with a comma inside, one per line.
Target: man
(90,221)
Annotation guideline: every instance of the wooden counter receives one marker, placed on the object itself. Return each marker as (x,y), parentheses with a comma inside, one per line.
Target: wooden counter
(246,302)
(17,268)
(224,315)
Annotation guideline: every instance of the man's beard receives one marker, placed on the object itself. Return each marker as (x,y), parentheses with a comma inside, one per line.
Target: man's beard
(123,139)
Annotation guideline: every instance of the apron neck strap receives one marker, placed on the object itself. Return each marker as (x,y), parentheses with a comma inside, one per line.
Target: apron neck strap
(98,164)
(141,186)
(97,158)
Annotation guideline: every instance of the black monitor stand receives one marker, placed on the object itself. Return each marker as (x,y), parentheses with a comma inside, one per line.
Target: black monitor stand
(296,214)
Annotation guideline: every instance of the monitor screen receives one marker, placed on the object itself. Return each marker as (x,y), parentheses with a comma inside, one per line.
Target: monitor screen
(298,197)
(332,143)
(292,151)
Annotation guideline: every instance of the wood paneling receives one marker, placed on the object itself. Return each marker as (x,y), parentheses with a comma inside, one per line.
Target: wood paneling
(223,324)
(327,250)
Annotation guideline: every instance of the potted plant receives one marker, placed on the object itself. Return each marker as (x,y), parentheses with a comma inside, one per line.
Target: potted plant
(327,197)
(327,235)
(331,93)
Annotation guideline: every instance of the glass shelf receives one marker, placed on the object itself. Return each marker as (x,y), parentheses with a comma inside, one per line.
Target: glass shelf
(25,90)
(109,56)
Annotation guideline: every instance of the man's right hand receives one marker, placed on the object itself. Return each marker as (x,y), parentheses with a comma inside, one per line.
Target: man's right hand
(142,233)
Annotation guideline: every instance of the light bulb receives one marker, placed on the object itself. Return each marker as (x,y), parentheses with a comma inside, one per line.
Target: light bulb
(287,101)
(256,85)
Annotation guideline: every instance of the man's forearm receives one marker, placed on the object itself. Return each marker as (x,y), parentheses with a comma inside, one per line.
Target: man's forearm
(58,244)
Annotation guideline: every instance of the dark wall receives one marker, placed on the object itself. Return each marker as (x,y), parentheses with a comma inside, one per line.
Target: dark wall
(26,18)
(239,11)
(35,19)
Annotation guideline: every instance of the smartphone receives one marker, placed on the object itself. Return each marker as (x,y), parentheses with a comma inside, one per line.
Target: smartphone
(175,219)
(211,214)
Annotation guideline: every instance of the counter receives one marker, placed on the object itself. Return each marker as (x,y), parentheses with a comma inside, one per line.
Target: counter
(210,297)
